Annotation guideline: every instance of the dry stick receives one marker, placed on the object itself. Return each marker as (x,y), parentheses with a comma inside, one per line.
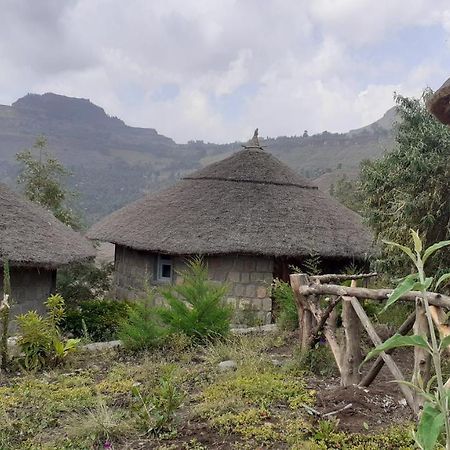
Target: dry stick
(404,329)
(330,337)
(352,356)
(323,320)
(342,277)
(373,294)
(396,372)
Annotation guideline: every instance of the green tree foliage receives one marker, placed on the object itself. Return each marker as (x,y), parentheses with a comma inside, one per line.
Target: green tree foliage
(84,281)
(43,180)
(409,186)
(346,192)
(195,307)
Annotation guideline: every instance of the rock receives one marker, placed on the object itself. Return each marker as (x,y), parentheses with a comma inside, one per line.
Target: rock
(277,362)
(227,365)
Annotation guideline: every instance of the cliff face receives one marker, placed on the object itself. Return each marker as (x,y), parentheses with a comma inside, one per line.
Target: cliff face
(114,163)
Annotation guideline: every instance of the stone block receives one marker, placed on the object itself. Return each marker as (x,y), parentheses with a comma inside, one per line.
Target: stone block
(261,292)
(245,277)
(232,302)
(267,304)
(239,290)
(267,277)
(245,303)
(250,290)
(257,276)
(234,276)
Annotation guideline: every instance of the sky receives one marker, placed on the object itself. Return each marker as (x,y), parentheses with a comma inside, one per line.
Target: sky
(214,70)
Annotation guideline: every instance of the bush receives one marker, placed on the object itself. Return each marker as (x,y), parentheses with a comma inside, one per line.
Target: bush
(99,319)
(284,299)
(84,281)
(141,330)
(40,337)
(195,307)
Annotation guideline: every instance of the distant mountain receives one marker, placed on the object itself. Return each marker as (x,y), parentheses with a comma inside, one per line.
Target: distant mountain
(114,163)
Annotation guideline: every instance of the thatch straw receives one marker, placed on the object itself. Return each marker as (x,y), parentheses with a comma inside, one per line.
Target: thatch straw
(249,203)
(32,236)
(439,103)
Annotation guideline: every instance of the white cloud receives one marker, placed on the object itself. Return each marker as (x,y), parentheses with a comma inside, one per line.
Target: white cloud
(309,62)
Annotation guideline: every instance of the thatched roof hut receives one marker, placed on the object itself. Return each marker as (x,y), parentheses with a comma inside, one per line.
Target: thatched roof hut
(249,203)
(30,236)
(439,103)
(250,215)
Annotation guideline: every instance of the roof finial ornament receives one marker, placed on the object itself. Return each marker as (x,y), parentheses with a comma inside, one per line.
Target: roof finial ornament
(253,142)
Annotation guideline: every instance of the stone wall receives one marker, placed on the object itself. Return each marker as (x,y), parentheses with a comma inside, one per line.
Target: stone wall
(30,287)
(249,280)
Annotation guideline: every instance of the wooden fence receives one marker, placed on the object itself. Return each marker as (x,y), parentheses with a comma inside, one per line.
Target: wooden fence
(317,297)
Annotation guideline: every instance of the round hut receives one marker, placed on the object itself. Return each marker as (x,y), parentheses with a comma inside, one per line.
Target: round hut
(439,103)
(35,244)
(249,215)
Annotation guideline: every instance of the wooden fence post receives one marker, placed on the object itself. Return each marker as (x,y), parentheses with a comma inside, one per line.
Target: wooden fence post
(305,319)
(352,356)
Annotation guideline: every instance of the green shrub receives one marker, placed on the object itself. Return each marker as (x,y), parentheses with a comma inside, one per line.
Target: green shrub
(40,337)
(195,307)
(98,319)
(84,281)
(141,329)
(284,299)
(156,409)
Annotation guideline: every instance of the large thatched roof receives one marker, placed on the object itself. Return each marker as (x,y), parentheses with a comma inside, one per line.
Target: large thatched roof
(439,103)
(249,203)
(31,236)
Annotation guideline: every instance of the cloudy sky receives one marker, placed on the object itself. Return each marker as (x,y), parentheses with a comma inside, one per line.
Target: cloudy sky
(216,69)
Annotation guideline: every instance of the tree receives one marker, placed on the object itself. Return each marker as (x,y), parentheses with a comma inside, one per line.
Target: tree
(42,178)
(409,187)
(346,192)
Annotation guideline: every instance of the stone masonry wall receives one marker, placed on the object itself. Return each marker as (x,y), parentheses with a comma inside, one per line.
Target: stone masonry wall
(30,287)
(249,280)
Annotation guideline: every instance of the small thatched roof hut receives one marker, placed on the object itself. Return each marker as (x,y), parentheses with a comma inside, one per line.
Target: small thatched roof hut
(249,203)
(439,103)
(35,243)
(249,214)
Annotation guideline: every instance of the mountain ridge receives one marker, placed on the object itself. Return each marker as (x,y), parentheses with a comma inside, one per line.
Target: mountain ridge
(114,163)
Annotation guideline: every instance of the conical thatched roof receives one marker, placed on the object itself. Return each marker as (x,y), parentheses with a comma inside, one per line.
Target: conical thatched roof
(32,236)
(249,203)
(439,103)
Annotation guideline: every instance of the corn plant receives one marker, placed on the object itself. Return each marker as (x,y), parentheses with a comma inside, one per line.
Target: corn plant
(434,419)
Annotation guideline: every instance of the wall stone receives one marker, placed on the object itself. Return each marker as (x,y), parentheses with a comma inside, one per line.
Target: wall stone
(30,287)
(248,278)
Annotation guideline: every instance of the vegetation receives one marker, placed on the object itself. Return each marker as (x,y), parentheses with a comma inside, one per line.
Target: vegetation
(98,320)
(84,281)
(40,338)
(195,306)
(141,329)
(5,315)
(435,417)
(43,179)
(408,187)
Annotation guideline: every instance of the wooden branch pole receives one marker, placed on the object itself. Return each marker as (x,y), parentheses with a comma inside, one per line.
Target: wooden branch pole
(404,329)
(373,294)
(342,277)
(352,356)
(324,317)
(396,372)
(299,280)
(330,336)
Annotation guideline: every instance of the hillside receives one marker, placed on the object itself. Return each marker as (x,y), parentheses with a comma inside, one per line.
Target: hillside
(114,163)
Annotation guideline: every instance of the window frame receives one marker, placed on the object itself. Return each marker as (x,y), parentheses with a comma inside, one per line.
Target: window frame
(161,261)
